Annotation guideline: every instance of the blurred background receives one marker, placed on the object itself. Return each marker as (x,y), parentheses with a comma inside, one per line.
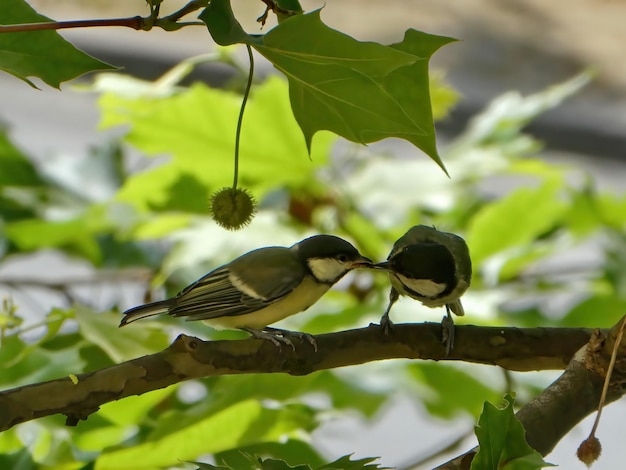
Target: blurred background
(512,128)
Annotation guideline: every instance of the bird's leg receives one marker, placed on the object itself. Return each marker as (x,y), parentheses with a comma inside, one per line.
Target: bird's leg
(272,336)
(296,334)
(385,321)
(447,336)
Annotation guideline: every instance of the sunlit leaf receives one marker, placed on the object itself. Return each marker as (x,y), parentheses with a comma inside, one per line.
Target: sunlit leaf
(504,118)
(600,311)
(515,220)
(502,441)
(120,344)
(445,383)
(71,235)
(197,127)
(242,424)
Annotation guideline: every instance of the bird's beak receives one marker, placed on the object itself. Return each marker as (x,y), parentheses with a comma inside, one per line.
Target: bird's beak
(384,266)
(362,262)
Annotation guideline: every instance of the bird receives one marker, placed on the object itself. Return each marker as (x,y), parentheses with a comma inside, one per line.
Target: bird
(433,267)
(261,287)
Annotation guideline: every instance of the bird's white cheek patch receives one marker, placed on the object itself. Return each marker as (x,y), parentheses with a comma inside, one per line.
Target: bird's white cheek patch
(425,287)
(326,269)
(243,287)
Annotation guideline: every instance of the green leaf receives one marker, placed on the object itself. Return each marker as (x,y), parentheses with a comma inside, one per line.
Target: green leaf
(515,220)
(444,382)
(157,227)
(223,26)
(42,54)
(601,311)
(501,122)
(613,210)
(73,236)
(120,344)
(21,459)
(442,96)
(24,363)
(197,127)
(15,168)
(245,423)
(502,441)
(363,91)
(112,422)
(342,393)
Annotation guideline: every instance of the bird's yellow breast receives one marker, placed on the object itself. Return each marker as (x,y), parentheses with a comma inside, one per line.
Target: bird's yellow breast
(298,300)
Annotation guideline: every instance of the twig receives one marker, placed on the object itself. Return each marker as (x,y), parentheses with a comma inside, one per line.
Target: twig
(135,22)
(168,23)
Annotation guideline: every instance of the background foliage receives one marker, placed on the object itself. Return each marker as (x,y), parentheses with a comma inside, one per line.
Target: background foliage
(135,212)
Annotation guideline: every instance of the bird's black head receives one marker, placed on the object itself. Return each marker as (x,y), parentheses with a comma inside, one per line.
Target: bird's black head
(329,257)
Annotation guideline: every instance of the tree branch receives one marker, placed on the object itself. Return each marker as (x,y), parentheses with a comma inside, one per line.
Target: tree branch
(188,358)
(569,399)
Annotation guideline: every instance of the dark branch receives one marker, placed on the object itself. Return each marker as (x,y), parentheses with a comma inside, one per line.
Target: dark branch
(135,22)
(188,358)
(168,23)
(548,417)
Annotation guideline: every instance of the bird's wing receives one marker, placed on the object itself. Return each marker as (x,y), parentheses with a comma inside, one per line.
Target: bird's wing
(227,292)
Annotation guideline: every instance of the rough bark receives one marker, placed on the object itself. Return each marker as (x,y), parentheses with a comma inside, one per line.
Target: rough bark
(569,399)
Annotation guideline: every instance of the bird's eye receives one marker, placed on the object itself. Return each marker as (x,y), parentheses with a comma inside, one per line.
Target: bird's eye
(342,258)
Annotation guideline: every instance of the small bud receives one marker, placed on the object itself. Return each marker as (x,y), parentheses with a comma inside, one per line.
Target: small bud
(232,208)
(589,450)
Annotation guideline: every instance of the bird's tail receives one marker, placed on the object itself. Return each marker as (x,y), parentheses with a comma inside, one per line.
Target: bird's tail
(456,307)
(145,311)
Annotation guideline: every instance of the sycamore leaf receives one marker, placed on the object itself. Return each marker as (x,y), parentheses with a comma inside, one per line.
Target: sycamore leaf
(502,441)
(363,91)
(42,54)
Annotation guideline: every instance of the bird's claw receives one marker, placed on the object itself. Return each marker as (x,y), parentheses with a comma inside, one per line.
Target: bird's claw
(447,335)
(279,335)
(274,337)
(386,324)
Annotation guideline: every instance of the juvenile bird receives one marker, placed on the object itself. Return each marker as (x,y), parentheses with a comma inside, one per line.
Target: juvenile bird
(430,266)
(261,287)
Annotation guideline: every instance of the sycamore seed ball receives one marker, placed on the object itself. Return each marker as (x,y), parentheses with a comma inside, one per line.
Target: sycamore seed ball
(589,451)
(232,208)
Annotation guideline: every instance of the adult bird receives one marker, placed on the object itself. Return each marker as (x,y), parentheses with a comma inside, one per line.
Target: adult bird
(433,267)
(261,287)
